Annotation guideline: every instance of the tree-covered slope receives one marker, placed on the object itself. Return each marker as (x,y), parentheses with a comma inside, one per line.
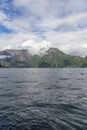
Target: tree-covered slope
(56,58)
(52,58)
(1,66)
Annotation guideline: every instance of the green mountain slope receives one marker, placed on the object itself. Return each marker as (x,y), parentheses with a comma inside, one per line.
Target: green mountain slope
(1,66)
(52,58)
(56,58)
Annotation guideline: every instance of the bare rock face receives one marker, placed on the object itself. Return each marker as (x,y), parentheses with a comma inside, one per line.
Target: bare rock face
(52,58)
(16,58)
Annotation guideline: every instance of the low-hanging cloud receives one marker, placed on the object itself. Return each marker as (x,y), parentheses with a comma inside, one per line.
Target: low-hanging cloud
(44,24)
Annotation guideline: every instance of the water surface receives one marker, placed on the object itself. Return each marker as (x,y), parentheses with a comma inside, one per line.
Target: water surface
(43,99)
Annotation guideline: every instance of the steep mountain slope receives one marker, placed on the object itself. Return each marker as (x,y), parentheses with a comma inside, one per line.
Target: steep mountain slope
(56,58)
(16,58)
(52,58)
(1,66)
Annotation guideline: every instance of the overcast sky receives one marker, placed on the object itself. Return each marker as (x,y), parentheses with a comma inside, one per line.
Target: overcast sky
(36,24)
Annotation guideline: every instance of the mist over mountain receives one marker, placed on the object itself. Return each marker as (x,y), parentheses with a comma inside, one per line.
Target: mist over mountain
(53,57)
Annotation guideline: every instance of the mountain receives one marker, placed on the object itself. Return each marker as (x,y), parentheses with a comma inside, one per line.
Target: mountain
(15,58)
(1,66)
(51,58)
(56,58)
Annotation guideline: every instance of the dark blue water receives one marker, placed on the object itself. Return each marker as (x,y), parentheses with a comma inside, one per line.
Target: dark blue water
(43,99)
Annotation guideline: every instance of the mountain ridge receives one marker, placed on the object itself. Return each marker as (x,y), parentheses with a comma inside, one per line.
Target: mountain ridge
(52,58)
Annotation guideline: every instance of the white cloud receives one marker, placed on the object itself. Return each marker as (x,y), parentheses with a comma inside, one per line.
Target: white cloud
(17,25)
(72,20)
(2,17)
(37,25)
(50,8)
(33,7)
(35,46)
(69,42)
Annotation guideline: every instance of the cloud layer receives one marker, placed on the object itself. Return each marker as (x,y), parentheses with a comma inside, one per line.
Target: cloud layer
(36,24)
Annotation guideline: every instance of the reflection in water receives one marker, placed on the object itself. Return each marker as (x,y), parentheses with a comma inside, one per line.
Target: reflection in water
(43,99)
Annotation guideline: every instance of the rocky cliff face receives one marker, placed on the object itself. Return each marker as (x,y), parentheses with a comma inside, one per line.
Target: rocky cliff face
(15,57)
(51,58)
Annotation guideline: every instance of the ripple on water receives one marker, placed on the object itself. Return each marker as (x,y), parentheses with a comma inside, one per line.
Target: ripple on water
(43,99)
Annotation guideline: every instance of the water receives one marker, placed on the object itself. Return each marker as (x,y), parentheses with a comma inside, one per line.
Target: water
(43,99)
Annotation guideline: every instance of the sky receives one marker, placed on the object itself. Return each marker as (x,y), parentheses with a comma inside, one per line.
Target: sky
(37,25)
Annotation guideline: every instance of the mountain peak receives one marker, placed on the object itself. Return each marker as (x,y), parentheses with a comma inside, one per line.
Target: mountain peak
(55,51)
(52,58)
